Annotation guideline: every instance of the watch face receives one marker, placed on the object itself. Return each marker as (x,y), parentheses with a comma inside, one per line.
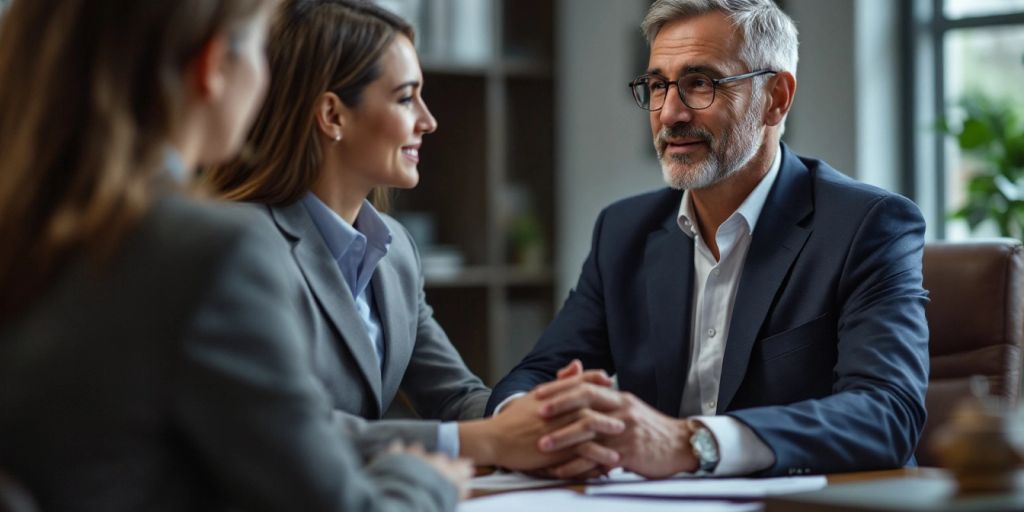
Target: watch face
(704,448)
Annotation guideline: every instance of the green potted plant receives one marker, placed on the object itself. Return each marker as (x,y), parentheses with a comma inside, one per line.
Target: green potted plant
(991,137)
(526,241)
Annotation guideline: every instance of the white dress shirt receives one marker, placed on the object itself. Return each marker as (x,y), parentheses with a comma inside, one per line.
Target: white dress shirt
(714,295)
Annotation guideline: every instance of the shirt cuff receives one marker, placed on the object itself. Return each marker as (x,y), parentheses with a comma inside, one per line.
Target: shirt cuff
(448,439)
(740,451)
(507,401)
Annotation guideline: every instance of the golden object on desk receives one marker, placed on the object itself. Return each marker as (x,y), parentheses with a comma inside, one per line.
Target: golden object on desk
(982,444)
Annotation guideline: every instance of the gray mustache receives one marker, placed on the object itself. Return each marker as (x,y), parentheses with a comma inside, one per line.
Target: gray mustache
(683,131)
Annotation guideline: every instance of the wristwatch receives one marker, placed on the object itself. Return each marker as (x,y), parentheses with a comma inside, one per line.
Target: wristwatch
(705,448)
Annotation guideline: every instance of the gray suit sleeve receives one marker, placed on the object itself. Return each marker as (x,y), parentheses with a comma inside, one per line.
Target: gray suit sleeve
(372,436)
(437,381)
(246,402)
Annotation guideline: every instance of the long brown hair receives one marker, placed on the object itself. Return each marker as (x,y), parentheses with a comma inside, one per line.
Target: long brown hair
(91,90)
(314,46)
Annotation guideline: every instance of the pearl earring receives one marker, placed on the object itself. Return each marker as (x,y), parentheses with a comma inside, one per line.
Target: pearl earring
(337,138)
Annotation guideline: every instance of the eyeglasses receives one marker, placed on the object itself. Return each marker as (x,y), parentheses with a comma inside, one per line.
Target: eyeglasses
(697,90)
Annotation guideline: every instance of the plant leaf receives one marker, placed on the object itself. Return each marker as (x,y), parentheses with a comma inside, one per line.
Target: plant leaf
(1015,151)
(1007,188)
(975,134)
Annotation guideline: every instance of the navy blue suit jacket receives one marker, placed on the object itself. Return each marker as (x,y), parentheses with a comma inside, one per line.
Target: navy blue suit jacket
(827,355)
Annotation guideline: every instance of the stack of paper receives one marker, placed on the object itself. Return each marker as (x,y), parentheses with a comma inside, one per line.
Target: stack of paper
(557,500)
(722,488)
(501,481)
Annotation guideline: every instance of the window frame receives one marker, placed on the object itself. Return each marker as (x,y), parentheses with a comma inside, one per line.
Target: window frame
(926,184)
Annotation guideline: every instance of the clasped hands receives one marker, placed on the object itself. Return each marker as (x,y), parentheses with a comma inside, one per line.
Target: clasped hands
(578,427)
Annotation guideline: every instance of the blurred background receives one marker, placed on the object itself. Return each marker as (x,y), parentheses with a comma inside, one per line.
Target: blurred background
(538,132)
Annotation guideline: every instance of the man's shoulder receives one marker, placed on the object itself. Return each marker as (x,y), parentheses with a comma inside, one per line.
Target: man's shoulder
(829,178)
(837,191)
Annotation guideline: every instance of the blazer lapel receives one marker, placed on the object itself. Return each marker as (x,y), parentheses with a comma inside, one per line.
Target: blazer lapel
(330,289)
(668,261)
(395,317)
(779,236)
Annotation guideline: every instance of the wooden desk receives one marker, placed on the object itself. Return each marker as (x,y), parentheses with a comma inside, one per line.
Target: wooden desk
(888,481)
(838,478)
(906,490)
(864,476)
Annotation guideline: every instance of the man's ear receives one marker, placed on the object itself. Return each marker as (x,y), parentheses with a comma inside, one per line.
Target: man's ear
(207,69)
(332,116)
(780,97)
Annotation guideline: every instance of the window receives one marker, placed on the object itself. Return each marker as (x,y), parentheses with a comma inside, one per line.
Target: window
(959,9)
(963,49)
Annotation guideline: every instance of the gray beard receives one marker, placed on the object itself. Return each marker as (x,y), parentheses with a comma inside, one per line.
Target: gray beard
(726,156)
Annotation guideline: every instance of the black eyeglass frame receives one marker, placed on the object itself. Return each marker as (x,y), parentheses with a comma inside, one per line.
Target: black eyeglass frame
(715,82)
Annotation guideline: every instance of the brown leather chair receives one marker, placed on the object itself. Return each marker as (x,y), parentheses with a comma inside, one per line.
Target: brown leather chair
(13,496)
(976,324)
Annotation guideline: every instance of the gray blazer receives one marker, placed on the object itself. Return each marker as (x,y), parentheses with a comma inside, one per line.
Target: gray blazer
(174,378)
(419,359)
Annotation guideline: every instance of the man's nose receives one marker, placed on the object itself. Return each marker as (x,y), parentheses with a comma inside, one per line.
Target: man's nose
(674,111)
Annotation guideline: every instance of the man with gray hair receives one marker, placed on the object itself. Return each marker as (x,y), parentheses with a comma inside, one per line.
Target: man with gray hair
(764,314)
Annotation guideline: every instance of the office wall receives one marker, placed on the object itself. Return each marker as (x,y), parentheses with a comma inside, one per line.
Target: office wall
(604,144)
(847,108)
(822,122)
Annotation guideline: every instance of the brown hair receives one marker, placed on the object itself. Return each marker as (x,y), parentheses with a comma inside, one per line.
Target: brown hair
(314,46)
(91,91)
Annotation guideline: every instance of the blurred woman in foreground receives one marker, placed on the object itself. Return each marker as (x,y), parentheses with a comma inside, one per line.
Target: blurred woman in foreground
(146,359)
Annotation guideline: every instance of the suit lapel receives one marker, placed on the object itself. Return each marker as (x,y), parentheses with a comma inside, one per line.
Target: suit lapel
(330,289)
(389,296)
(668,261)
(779,237)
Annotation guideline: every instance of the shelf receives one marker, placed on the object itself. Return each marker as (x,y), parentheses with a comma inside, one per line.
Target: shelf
(485,201)
(482,276)
(528,277)
(465,315)
(465,278)
(447,67)
(526,68)
(520,67)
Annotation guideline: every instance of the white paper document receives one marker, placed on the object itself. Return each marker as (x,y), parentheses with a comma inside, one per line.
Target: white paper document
(725,488)
(562,500)
(508,481)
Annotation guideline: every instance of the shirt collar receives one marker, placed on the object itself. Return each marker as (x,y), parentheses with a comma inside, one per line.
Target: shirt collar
(749,210)
(339,234)
(370,223)
(174,166)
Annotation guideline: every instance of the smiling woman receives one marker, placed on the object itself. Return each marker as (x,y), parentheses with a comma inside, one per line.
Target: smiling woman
(334,59)
(377,139)
(345,117)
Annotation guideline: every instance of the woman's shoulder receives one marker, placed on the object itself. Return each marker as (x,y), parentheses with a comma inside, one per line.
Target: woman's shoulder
(203,230)
(403,251)
(401,239)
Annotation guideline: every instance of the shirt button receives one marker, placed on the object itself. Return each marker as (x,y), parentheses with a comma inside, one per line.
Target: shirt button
(711,333)
(711,405)
(716,271)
